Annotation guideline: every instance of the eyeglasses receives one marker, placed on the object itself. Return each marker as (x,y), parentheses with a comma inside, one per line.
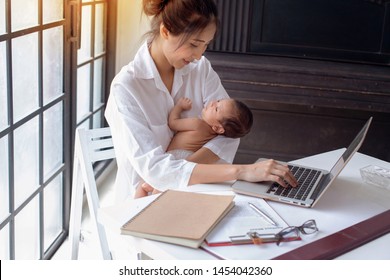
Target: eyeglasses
(286,234)
(292,233)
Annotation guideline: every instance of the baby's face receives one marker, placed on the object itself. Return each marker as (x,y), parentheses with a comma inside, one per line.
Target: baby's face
(217,110)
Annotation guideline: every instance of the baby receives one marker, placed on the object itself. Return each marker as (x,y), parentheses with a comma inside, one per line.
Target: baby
(228,117)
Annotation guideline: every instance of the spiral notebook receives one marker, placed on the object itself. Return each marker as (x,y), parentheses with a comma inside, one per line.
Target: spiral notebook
(178,217)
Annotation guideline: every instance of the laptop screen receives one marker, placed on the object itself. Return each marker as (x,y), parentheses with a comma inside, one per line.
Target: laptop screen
(342,161)
(349,152)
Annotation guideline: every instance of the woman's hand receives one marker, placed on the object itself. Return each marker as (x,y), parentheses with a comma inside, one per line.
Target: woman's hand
(268,170)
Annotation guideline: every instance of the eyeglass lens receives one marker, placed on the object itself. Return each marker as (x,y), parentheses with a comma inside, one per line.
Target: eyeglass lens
(292,233)
(308,227)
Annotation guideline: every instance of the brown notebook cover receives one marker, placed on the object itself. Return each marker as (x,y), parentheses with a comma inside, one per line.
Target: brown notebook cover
(178,217)
(342,241)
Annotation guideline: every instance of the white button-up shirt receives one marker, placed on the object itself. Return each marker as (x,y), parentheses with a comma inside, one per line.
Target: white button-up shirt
(137,113)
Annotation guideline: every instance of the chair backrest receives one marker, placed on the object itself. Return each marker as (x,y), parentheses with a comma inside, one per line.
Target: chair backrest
(90,146)
(99,143)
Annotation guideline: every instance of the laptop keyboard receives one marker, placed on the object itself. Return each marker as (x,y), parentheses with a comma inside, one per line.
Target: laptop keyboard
(306,178)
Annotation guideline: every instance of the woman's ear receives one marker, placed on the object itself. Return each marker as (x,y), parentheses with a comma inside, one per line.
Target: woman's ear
(164,33)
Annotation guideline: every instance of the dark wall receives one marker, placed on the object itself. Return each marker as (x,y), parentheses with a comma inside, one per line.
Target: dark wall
(312,71)
(304,107)
(347,30)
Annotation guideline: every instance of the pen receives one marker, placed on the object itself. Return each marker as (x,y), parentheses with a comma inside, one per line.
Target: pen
(261,213)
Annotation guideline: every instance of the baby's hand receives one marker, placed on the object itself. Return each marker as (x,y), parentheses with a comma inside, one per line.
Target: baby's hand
(144,190)
(184,103)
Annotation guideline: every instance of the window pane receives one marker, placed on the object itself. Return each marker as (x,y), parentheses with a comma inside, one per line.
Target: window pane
(27,232)
(52,10)
(99,29)
(98,83)
(97,119)
(52,139)
(4,189)
(25,74)
(24,14)
(84,53)
(52,211)
(3,87)
(84,124)
(2,17)
(52,63)
(83,90)
(4,243)
(26,160)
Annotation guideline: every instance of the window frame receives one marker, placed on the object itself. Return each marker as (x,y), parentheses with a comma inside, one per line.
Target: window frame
(71,10)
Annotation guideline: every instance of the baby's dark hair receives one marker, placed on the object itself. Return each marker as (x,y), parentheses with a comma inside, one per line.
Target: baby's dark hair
(180,17)
(240,123)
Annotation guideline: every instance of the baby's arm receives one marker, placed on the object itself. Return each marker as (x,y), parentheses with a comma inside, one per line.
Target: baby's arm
(175,121)
(203,155)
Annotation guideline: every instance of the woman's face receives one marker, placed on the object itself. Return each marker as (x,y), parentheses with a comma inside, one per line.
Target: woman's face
(192,49)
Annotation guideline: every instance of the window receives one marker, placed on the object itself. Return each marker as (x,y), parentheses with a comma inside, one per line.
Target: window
(48,87)
(91,62)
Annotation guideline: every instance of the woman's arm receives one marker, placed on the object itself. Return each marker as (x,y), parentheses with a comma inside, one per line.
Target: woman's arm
(140,142)
(269,170)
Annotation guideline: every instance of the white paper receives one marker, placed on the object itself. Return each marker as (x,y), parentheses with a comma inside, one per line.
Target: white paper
(243,219)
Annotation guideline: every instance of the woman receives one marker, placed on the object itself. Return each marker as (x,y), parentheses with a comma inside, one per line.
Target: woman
(167,67)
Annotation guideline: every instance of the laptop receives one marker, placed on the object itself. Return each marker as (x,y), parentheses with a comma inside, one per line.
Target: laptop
(312,182)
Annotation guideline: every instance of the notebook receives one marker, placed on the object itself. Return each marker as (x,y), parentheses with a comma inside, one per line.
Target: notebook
(306,194)
(179,217)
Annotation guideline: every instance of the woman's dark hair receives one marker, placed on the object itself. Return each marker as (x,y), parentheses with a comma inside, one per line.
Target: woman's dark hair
(240,123)
(180,17)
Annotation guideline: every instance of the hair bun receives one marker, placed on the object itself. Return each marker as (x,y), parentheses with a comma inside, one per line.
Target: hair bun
(154,7)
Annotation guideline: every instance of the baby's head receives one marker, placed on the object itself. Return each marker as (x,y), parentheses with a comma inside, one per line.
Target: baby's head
(228,117)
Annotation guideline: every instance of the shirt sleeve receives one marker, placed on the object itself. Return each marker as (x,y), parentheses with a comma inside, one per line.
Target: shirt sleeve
(225,148)
(135,142)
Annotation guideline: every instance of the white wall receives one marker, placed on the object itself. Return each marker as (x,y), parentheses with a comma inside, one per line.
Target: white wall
(131,26)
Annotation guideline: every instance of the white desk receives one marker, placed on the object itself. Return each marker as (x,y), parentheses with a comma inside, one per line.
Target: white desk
(348,201)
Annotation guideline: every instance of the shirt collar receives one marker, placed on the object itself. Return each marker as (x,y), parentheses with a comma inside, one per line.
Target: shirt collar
(145,68)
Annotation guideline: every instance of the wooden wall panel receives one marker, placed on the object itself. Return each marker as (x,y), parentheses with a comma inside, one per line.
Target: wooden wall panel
(304,107)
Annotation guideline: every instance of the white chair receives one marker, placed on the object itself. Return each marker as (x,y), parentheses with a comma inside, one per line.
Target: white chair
(90,146)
